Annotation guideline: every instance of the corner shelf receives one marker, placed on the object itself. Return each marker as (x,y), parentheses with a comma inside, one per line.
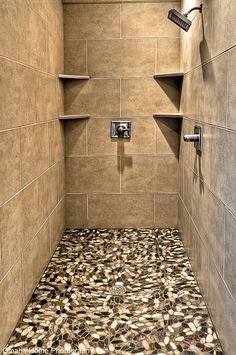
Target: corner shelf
(168,75)
(74,77)
(73,117)
(168,115)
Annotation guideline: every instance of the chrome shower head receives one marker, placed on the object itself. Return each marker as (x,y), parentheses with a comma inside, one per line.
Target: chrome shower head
(182,20)
(179,19)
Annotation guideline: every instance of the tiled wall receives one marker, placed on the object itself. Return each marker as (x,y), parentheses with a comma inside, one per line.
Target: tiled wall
(121,45)
(31,149)
(208,183)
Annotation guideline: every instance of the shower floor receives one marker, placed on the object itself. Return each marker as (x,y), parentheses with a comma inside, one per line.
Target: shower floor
(129,291)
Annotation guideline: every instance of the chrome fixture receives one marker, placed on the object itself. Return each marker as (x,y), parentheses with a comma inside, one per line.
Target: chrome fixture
(196,138)
(182,20)
(120,129)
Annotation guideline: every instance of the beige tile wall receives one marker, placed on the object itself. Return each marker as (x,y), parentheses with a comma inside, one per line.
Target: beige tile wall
(31,149)
(112,183)
(207,209)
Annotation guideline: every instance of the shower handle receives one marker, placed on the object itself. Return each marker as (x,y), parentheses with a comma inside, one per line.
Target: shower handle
(192,137)
(196,137)
(121,129)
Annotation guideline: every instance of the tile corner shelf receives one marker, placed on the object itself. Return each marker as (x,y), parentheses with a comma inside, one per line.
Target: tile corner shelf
(168,75)
(168,115)
(73,117)
(74,77)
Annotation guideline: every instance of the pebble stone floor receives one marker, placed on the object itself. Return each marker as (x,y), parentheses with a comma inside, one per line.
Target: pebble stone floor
(129,291)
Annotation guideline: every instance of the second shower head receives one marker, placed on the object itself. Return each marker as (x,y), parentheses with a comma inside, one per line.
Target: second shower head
(182,20)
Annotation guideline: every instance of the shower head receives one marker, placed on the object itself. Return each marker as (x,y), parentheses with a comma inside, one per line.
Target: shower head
(179,19)
(182,20)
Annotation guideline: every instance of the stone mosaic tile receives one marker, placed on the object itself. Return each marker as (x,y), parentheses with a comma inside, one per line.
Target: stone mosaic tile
(129,291)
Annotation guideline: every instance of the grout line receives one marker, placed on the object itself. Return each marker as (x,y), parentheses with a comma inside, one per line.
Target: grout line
(123,193)
(87,214)
(28,125)
(115,155)
(120,21)
(156,57)
(120,162)
(223,271)
(232,130)
(154,210)
(86,53)
(120,98)
(123,38)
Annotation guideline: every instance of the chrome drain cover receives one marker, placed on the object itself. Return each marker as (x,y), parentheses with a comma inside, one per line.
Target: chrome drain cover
(117,290)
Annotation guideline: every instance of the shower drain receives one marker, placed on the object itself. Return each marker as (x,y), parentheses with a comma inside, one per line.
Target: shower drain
(117,290)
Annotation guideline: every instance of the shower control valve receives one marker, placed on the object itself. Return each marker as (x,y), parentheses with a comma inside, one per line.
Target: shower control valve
(196,138)
(120,129)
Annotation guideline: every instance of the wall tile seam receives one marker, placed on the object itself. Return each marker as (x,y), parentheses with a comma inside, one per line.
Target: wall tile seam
(211,190)
(121,38)
(34,236)
(62,201)
(117,2)
(223,128)
(202,240)
(211,59)
(30,67)
(29,125)
(122,156)
(158,193)
(31,182)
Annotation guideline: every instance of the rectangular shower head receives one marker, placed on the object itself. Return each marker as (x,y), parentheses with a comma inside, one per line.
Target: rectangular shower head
(179,19)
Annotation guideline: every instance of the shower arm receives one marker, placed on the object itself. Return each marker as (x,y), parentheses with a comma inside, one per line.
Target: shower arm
(193,9)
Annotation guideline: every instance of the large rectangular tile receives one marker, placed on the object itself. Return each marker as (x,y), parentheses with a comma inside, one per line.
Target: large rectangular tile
(149,174)
(230,253)
(93,97)
(75,137)
(214,107)
(48,193)
(46,97)
(91,21)
(167,136)
(57,225)
(56,141)
(140,97)
(55,53)
(35,258)
(121,58)
(75,56)
(168,55)
(10,164)
(33,37)
(166,211)
(9,35)
(120,211)
(12,303)
(143,139)
(76,211)
(231,77)
(34,151)
(93,174)
(148,20)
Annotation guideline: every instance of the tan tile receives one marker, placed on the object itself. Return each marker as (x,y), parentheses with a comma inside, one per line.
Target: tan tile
(148,19)
(75,137)
(120,211)
(55,53)
(29,212)
(10,164)
(93,97)
(10,225)
(54,17)
(223,166)
(167,136)
(149,174)
(57,225)
(34,151)
(147,96)
(230,122)
(9,34)
(48,193)
(75,57)
(39,6)
(143,137)
(168,55)
(166,211)
(121,58)
(214,108)
(92,21)
(32,39)
(35,258)
(230,254)
(46,98)
(56,141)
(93,174)
(184,224)
(76,211)
(61,179)
(11,294)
